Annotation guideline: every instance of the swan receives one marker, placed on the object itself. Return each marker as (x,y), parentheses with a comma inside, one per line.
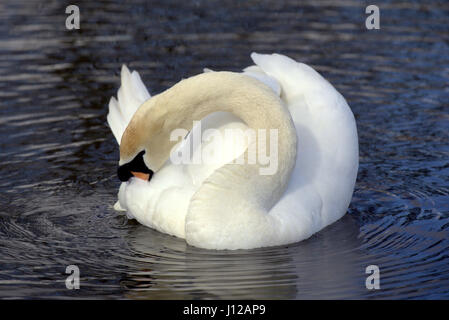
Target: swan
(229,204)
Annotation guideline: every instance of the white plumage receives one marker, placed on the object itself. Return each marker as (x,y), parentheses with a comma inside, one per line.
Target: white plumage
(130,96)
(322,181)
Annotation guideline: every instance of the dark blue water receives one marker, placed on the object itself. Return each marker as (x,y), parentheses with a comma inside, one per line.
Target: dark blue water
(58,158)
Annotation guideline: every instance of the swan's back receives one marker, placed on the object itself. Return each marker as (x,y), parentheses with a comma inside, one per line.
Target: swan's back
(322,182)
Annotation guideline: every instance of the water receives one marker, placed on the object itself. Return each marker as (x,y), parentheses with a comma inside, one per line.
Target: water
(58,158)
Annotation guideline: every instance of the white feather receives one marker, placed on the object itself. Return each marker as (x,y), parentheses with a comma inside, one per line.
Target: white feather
(322,182)
(131,94)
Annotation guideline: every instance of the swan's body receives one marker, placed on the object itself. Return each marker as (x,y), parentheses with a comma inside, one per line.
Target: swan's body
(229,206)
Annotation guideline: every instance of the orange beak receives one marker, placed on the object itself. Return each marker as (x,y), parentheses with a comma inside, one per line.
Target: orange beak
(141,175)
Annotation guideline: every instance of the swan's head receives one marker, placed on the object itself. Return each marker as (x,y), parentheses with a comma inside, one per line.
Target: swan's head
(136,167)
(145,144)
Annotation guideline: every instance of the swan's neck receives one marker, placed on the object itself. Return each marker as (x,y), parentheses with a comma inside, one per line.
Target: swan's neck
(193,99)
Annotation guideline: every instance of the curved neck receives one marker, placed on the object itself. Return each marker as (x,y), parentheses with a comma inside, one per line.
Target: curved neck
(194,98)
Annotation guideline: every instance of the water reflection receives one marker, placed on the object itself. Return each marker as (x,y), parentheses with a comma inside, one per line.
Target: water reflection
(166,267)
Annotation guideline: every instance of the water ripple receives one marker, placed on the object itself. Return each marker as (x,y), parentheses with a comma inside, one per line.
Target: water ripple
(58,182)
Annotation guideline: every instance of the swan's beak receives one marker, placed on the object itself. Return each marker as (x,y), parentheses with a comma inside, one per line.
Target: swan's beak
(141,175)
(136,168)
(125,173)
(125,176)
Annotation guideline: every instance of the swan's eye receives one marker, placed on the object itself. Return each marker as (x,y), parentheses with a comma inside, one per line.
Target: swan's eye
(136,168)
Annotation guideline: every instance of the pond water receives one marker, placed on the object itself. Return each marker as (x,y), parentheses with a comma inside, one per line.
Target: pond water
(59,159)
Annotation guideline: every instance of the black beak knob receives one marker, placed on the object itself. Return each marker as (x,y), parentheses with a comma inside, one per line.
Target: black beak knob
(136,165)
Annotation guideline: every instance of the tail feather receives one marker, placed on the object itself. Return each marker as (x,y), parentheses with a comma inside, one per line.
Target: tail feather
(131,94)
(140,88)
(115,119)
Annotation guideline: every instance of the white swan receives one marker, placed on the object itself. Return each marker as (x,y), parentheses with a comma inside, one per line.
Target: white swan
(232,206)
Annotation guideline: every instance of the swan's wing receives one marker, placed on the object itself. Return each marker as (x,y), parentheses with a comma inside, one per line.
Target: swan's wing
(257,73)
(327,159)
(130,96)
(296,79)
